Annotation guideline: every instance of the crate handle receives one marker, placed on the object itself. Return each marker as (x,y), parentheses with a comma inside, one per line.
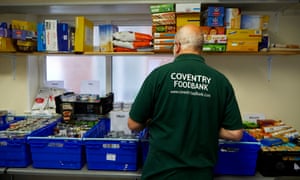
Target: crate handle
(69,145)
(38,144)
(128,147)
(14,144)
(93,146)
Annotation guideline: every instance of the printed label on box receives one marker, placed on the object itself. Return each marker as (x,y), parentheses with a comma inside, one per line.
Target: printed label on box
(111,157)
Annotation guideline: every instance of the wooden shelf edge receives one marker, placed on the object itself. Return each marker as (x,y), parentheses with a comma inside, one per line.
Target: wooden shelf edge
(144,53)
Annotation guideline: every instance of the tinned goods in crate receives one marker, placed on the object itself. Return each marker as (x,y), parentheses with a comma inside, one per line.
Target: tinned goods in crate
(63,146)
(237,158)
(111,150)
(279,160)
(14,149)
(70,105)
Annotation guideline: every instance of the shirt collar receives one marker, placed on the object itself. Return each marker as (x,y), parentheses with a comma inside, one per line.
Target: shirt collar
(189,57)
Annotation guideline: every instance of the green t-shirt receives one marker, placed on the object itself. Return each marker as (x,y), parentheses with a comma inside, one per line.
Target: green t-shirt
(187,102)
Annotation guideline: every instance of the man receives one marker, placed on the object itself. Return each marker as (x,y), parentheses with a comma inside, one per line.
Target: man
(187,107)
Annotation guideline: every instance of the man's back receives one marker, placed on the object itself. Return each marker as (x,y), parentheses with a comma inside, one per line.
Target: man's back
(188,104)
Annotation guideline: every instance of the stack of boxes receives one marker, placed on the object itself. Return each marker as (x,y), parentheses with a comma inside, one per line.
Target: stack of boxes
(54,36)
(163,27)
(24,35)
(212,20)
(187,13)
(257,22)
(243,40)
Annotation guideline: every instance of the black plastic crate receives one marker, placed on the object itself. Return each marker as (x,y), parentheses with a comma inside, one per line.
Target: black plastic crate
(279,163)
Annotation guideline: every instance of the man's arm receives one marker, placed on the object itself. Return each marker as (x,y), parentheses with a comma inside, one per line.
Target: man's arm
(135,126)
(234,135)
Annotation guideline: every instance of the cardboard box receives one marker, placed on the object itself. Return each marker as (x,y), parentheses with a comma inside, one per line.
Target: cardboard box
(188,18)
(51,34)
(23,25)
(6,45)
(63,36)
(164,41)
(255,22)
(84,34)
(118,121)
(242,45)
(245,34)
(160,8)
(168,18)
(214,47)
(214,11)
(188,7)
(163,35)
(215,39)
(212,30)
(106,32)
(214,21)
(233,18)
(163,48)
(164,29)
(5,32)
(41,37)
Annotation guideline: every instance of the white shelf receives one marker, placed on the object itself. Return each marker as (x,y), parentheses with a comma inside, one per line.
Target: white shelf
(46,7)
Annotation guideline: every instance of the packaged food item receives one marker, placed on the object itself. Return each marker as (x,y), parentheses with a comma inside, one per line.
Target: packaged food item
(188,7)
(255,22)
(106,36)
(84,35)
(233,18)
(161,8)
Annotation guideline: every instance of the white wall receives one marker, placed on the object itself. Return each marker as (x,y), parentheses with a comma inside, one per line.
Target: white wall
(271,89)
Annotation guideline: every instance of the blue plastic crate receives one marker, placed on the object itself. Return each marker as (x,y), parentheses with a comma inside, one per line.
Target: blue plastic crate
(56,153)
(15,151)
(110,153)
(144,150)
(238,158)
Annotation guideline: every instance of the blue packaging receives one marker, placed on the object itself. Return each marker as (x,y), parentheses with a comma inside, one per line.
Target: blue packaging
(63,36)
(41,37)
(215,11)
(216,21)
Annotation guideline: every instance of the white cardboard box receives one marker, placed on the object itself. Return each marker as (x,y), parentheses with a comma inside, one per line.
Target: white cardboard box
(118,121)
(51,34)
(188,7)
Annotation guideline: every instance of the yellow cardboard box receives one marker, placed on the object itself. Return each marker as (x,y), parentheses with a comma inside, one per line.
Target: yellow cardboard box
(6,45)
(187,18)
(242,45)
(84,34)
(233,18)
(245,34)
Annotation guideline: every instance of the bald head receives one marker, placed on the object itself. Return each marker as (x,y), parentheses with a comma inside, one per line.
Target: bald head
(190,38)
